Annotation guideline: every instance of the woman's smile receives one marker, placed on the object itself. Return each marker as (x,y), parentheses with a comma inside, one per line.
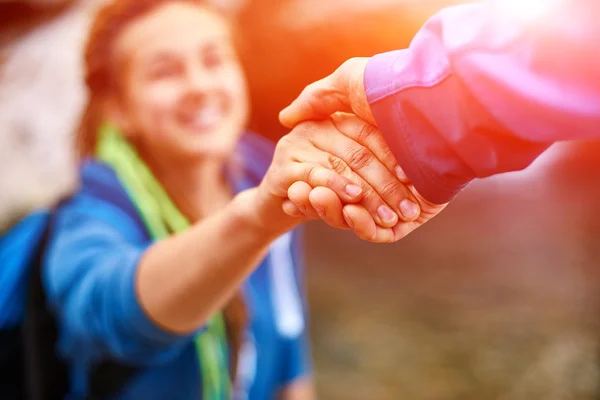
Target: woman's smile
(202,120)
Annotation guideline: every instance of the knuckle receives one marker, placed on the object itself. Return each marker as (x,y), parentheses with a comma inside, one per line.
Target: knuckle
(364,131)
(310,173)
(359,158)
(370,196)
(389,188)
(308,90)
(387,154)
(284,143)
(349,63)
(337,164)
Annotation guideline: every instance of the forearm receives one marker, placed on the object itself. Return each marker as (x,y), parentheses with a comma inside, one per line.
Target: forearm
(183,280)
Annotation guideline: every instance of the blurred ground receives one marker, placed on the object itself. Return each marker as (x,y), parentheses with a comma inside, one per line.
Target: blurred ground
(497,298)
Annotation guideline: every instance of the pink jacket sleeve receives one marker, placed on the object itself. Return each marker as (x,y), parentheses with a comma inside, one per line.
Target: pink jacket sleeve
(485,89)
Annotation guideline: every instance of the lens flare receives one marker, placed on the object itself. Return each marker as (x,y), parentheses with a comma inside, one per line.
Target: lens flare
(528,11)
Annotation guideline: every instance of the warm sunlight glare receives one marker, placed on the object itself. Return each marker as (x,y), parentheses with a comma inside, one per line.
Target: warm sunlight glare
(529,11)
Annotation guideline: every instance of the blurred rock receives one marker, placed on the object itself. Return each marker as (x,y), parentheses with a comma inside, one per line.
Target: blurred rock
(41,96)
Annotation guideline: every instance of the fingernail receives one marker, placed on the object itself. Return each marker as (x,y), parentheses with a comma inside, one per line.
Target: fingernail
(386,214)
(409,209)
(353,190)
(400,174)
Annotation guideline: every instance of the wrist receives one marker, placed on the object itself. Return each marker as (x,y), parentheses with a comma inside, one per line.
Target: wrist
(263,214)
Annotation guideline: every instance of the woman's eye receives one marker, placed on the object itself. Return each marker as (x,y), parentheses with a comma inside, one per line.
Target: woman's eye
(213,60)
(163,71)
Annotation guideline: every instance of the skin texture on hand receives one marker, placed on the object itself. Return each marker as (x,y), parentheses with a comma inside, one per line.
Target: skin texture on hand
(349,157)
(344,91)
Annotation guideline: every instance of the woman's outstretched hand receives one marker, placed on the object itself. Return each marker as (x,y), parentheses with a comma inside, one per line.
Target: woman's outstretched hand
(341,171)
(348,158)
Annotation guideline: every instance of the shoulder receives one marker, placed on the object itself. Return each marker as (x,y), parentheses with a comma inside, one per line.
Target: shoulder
(101,202)
(91,232)
(28,228)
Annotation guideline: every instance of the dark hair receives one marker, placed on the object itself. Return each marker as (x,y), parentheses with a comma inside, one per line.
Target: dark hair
(100,67)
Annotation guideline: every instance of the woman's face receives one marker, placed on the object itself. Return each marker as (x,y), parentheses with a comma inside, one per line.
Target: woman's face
(183,92)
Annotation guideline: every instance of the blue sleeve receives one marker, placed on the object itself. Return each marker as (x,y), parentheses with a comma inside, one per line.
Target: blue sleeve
(18,246)
(298,362)
(89,274)
(297,350)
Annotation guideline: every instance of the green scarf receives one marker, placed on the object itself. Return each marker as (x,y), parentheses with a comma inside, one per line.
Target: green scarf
(162,219)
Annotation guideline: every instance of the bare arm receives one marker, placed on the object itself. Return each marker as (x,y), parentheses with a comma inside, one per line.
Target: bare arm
(107,287)
(183,280)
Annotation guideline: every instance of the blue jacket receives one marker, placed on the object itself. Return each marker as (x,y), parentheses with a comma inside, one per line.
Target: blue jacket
(90,263)
(17,249)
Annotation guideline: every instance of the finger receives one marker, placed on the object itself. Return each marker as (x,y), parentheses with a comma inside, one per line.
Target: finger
(296,159)
(317,101)
(300,145)
(379,184)
(314,174)
(298,194)
(401,175)
(310,134)
(291,209)
(369,136)
(362,224)
(343,90)
(317,167)
(329,207)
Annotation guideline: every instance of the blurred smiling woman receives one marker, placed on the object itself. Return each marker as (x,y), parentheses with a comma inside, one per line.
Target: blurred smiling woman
(173,270)
(164,144)
(177,260)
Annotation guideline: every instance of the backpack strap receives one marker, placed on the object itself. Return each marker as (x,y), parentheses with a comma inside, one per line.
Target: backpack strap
(46,374)
(109,378)
(11,386)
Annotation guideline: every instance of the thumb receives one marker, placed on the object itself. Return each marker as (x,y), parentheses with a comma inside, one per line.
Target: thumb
(341,91)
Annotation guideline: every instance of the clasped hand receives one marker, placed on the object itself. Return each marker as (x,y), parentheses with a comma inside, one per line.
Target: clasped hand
(335,164)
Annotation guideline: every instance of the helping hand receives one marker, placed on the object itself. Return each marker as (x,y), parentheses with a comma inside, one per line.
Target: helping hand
(344,91)
(348,158)
(337,213)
